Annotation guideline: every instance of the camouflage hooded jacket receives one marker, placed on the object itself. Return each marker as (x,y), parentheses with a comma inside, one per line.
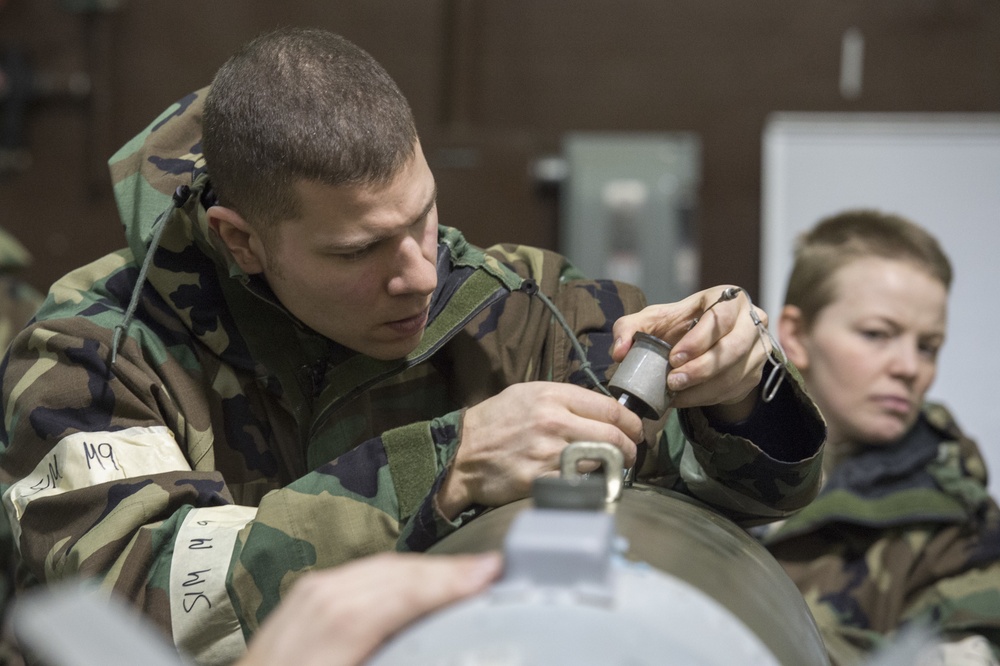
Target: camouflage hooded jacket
(227,449)
(899,536)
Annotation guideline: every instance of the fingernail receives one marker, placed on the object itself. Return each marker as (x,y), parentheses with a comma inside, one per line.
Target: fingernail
(617,345)
(678,359)
(676,381)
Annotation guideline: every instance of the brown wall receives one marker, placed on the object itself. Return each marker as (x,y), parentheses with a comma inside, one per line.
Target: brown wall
(494,85)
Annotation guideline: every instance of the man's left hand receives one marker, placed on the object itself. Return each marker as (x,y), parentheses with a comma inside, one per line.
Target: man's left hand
(715,363)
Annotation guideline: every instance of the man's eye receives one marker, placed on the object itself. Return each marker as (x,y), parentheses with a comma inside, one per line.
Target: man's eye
(355,255)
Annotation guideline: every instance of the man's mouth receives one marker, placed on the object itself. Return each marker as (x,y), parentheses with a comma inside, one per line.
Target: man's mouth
(410,325)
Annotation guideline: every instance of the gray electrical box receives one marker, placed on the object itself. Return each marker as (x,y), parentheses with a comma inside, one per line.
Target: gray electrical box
(627,207)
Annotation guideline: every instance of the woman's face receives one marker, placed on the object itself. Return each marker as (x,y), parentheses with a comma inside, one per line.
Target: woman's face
(870,356)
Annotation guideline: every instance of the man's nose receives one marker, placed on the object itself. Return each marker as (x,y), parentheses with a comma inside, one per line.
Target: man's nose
(415,272)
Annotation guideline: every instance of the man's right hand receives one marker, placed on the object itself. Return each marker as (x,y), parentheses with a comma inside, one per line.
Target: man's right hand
(339,616)
(518,435)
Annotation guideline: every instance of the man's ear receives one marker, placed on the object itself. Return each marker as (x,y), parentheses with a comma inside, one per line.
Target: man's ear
(237,234)
(791,333)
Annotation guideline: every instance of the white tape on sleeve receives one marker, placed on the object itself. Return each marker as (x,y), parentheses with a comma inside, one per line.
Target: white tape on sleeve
(86,459)
(205,626)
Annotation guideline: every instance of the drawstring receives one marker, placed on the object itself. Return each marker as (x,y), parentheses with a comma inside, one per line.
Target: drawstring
(777,374)
(179,199)
(530,287)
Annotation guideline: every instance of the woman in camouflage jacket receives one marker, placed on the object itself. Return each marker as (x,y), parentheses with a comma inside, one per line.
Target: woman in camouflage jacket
(903,532)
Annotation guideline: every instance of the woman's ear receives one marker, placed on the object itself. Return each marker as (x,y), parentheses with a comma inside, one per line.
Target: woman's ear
(791,333)
(237,234)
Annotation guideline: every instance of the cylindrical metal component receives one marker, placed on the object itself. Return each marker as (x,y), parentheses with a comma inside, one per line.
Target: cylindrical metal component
(642,377)
(693,544)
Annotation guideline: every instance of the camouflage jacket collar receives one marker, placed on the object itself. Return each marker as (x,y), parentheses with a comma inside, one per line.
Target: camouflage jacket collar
(933,475)
(878,471)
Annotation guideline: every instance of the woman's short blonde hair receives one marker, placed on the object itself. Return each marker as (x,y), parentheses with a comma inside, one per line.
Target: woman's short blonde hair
(841,239)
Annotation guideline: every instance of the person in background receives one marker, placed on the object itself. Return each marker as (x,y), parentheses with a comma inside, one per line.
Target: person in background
(294,366)
(18,299)
(903,532)
(18,302)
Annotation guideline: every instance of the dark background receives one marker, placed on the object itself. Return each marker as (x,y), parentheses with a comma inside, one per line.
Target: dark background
(494,85)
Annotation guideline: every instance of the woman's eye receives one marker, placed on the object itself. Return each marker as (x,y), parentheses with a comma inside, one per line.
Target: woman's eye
(930,350)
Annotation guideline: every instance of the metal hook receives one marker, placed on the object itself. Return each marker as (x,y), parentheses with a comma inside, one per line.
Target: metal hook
(605,453)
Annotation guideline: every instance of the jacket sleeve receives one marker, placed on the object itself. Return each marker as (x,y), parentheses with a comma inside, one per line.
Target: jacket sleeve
(754,472)
(964,610)
(954,586)
(105,477)
(948,593)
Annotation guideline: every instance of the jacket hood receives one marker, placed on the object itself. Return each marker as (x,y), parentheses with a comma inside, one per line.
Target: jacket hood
(149,170)
(161,189)
(933,475)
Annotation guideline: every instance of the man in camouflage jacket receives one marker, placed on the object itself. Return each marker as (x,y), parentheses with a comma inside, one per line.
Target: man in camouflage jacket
(177,431)
(900,536)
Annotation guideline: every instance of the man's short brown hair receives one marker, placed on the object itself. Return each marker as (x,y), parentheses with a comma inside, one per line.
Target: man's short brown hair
(301,104)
